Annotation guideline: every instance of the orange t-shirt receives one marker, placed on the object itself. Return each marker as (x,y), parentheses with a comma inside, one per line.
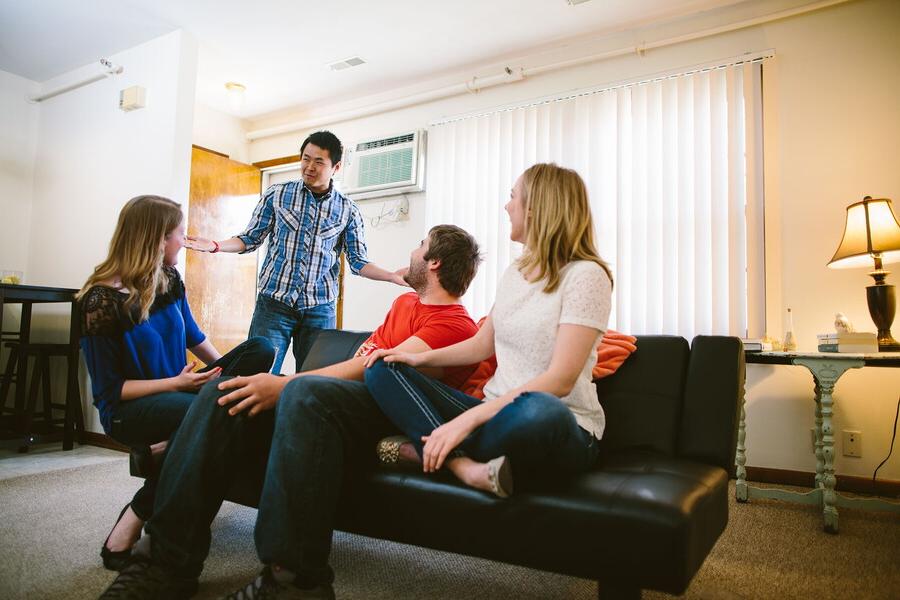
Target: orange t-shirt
(437,325)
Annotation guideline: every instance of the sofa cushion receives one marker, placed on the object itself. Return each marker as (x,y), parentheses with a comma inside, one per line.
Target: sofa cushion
(643,400)
(659,515)
(713,395)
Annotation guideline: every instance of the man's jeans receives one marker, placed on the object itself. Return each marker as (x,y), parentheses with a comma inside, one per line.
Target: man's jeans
(281,324)
(320,427)
(150,419)
(536,431)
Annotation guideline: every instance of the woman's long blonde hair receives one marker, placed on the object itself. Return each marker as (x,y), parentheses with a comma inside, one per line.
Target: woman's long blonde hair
(136,251)
(558,224)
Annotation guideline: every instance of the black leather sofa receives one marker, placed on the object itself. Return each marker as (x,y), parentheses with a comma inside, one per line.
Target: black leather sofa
(646,519)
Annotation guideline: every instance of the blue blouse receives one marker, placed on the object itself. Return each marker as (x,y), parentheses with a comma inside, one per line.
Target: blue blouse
(117,347)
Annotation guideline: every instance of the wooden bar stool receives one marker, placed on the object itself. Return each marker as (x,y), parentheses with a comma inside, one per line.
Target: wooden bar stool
(40,381)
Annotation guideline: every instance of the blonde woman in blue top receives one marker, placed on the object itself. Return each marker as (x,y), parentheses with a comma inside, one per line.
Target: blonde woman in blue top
(136,328)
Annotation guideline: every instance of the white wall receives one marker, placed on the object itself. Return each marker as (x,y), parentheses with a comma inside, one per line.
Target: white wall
(220,132)
(92,158)
(833,127)
(18,142)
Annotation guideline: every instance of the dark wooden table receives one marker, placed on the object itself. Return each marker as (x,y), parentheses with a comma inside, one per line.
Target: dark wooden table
(28,296)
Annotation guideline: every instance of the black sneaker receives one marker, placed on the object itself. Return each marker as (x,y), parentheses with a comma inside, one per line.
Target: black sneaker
(142,580)
(265,587)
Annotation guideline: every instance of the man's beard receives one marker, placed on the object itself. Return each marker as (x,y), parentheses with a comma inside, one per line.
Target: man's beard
(417,276)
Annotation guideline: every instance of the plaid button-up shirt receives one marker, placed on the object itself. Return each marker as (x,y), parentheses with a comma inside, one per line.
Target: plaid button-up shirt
(306,237)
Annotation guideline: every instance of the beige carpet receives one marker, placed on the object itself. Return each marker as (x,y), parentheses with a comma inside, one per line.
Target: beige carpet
(52,525)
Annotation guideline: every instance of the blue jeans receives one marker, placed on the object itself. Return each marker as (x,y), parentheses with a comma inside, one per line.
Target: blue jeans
(319,428)
(536,431)
(154,418)
(281,324)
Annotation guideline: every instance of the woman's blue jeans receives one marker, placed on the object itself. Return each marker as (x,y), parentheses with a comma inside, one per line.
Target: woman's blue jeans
(536,431)
(154,418)
(282,324)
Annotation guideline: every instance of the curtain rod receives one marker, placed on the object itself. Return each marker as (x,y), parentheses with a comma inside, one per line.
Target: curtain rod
(110,70)
(750,57)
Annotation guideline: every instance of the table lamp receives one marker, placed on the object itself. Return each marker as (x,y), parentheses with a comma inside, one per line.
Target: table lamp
(872,233)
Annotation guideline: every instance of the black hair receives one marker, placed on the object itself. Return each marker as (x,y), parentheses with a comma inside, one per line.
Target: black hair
(326,141)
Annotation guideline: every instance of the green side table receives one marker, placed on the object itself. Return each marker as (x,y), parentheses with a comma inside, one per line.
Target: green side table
(826,369)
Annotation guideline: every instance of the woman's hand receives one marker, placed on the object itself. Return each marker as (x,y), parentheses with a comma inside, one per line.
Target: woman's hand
(199,244)
(188,381)
(391,355)
(442,441)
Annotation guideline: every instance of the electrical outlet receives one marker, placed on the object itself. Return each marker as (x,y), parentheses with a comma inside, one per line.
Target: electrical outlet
(852,443)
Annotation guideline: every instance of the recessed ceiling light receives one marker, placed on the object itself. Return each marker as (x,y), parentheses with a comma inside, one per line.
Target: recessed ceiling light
(353,61)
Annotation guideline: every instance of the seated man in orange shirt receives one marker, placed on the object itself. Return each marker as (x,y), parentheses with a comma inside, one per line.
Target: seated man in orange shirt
(322,421)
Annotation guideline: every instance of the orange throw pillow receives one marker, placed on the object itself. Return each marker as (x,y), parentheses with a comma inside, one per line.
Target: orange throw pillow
(614,348)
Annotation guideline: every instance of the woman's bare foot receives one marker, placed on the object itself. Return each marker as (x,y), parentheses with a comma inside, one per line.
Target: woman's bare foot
(126,532)
(494,476)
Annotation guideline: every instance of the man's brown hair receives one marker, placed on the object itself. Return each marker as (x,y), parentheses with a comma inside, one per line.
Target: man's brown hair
(458,253)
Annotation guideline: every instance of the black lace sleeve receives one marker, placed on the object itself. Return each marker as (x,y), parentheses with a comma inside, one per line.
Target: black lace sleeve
(101,310)
(176,286)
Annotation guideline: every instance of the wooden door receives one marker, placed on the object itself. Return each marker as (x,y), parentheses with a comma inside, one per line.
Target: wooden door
(221,287)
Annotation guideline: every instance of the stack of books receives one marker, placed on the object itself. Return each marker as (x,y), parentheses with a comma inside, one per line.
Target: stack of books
(848,342)
(756,345)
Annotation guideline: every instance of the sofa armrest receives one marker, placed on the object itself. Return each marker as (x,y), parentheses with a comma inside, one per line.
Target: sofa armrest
(333,346)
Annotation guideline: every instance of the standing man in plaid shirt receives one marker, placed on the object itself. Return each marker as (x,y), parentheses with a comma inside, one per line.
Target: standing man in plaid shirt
(308,224)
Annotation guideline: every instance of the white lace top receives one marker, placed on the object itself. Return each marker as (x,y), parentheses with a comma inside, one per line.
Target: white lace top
(526,320)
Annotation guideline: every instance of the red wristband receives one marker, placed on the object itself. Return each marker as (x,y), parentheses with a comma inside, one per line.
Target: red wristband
(216,249)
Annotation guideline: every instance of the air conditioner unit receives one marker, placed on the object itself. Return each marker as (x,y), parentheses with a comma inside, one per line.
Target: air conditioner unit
(385,166)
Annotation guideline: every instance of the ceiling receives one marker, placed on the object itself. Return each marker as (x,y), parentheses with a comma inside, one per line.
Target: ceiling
(280,49)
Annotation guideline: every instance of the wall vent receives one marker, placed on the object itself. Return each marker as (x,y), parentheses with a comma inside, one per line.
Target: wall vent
(340,65)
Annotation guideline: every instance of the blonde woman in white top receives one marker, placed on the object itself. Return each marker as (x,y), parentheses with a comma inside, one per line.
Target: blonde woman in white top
(540,419)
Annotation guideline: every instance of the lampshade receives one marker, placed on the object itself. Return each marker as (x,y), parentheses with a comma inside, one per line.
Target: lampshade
(871,228)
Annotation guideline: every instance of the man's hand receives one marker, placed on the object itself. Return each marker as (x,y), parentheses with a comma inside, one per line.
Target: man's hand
(199,244)
(442,441)
(188,381)
(397,276)
(257,393)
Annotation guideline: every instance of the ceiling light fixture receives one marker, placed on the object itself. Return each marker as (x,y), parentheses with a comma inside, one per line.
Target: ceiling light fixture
(235,93)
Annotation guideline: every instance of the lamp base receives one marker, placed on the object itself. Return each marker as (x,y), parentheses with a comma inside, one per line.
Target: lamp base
(882,305)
